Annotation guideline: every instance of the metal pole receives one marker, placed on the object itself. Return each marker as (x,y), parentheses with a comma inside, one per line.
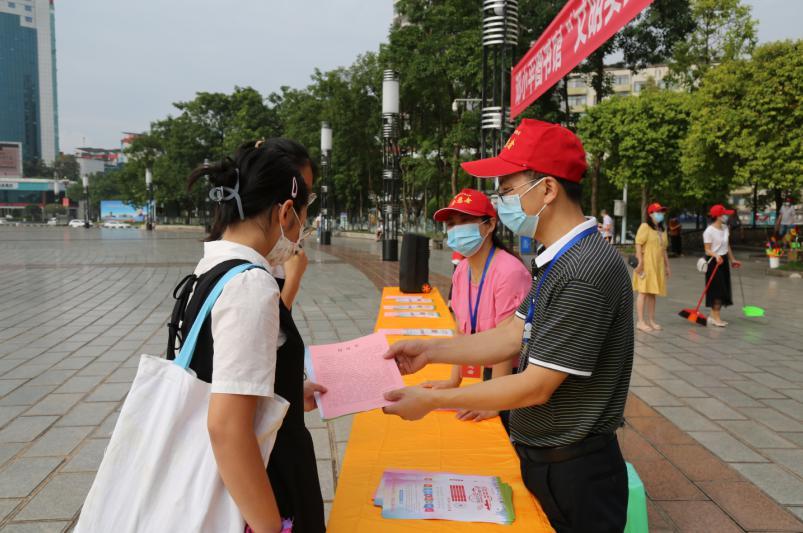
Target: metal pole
(624,213)
(149,185)
(326,192)
(391,172)
(85,180)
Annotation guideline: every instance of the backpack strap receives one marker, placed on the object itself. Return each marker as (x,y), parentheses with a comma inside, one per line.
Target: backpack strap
(188,348)
(182,295)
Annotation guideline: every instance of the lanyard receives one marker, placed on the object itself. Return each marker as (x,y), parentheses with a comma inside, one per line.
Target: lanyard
(472,314)
(528,323)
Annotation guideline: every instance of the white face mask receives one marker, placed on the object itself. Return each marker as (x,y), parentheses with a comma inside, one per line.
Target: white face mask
(284,248)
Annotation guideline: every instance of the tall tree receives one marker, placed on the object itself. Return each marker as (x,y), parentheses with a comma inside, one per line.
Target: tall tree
(747,125)
(725,31)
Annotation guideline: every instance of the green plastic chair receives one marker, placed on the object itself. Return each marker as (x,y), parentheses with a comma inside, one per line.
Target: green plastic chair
(636,503)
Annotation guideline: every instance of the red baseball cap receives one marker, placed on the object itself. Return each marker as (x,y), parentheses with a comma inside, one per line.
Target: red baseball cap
(719,210)
(540,146)
(655,208)
(470,202)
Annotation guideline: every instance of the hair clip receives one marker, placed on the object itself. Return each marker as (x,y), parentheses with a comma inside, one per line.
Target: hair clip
(223,194)
(259,143)
(294,188)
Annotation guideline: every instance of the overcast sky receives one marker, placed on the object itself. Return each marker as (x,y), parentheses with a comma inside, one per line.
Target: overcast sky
(121,64)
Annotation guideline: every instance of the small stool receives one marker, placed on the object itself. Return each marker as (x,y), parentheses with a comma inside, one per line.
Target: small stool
(636,503)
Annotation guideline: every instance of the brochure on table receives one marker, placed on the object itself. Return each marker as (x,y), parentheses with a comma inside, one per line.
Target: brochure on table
(410,494)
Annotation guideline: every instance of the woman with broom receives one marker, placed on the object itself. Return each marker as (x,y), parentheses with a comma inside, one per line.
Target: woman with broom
(716,239)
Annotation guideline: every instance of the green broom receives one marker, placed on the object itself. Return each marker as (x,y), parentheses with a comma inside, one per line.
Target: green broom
(750,311)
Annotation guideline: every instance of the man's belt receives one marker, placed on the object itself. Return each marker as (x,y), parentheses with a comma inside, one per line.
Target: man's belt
(559,454)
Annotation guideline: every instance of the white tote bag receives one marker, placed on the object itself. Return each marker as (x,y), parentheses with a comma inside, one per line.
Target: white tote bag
(158,473)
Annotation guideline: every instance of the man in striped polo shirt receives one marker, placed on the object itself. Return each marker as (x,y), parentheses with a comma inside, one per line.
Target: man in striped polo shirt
(574,334)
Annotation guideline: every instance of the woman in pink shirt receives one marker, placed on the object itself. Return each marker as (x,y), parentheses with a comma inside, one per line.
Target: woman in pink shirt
(487,286)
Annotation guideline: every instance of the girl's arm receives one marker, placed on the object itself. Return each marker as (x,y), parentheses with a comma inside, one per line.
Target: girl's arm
(666,264)
(640,258)
(710,252)
(231,430)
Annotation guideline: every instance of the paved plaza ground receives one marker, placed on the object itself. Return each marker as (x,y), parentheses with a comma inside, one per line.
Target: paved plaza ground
(714,421)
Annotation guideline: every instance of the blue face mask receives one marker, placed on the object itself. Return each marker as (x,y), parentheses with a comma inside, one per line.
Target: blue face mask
(465,239)
(658,217)
(513,216)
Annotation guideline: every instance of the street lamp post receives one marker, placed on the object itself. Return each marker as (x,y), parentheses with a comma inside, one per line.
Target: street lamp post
(149,185)
(85,180)
(56,190)
(326,192)
(391,169)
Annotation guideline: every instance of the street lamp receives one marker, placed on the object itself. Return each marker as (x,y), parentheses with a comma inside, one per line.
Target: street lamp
(149,186)
(326,170)
(391,169)
(85,180)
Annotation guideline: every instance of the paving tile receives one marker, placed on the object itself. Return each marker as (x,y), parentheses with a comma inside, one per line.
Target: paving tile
(35,527)
(19,478)
(320,440)
(55,404)
(9,450)
(27,395)
(772,419)
(8,385)
(58,441)
(109,392)
(756,390)
(726,447)
(732,397)
(53,377)
(680,388)
(25,428)
(777,483)
(342,427)
(88,457)
(699,517)
(756,435)
(658,430)
(62,497)
(87,414)
(327,480)
(8,505)
(635,406)
(656,396)
(791,459)
(697,463)
(715,410)
(635,447)
(7,414)
(662,481)
(80,384)
(687,419)
(791,408)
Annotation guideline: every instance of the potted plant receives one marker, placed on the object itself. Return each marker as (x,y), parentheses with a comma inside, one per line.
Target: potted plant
(774,252)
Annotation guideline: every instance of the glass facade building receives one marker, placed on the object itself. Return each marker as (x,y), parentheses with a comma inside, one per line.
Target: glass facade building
(28,103)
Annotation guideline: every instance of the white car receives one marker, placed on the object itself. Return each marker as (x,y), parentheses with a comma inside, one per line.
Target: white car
(53,221)
(76,223)
(112,224)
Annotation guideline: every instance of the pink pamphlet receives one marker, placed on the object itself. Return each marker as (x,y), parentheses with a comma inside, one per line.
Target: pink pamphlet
(355,375)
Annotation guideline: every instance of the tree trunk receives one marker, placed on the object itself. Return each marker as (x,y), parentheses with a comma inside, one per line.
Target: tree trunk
(755,204)
(455,166)
(596,166)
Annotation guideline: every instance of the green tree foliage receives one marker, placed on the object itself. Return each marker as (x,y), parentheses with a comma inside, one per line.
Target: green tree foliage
(747,125)
(724,31)
(639,140)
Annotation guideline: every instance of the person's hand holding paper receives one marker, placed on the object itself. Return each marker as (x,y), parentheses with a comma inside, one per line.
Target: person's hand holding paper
(354,374)
(410,356)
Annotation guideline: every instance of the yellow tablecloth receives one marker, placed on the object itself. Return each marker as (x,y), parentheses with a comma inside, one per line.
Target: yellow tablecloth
(438,442)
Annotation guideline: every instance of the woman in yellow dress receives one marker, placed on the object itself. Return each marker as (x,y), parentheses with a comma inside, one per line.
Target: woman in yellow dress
(649,278)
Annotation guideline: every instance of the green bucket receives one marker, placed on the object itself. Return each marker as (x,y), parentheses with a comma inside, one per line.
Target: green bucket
(752,311)
(636,503)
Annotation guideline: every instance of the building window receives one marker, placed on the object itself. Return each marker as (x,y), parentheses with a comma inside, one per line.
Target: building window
(577,83)
(28,19)
(28,8)
(639,86)
(577,101)
(621,79)
(12,5)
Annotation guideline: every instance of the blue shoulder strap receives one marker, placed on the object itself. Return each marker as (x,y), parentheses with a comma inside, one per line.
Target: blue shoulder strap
(188,348)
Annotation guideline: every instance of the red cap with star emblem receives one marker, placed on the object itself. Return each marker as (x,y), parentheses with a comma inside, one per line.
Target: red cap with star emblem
(539,146)
(655,208)
(719,210)
(470,202)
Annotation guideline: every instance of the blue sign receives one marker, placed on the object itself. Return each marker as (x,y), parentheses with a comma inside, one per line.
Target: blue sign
(121,212)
